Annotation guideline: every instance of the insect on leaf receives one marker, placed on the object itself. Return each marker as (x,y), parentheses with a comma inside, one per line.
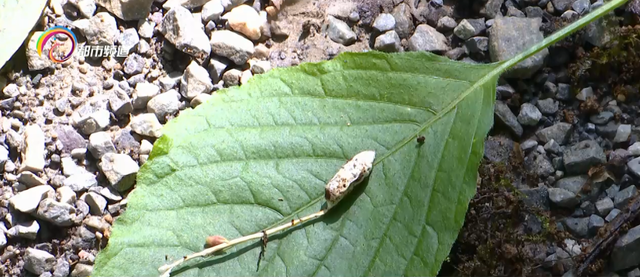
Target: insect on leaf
(260,155)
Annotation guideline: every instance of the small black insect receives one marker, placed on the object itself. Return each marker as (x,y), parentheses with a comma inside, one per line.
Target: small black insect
(420,139)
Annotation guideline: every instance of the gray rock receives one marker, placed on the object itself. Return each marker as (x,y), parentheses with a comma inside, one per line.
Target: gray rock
(232,77)
(612,215)
(181,29)
(552,146)
(588,208)
(634,273)
(27,230)
(38,261)
(66,195)
(607,131)
(120,170)
(547,106)
(581,6)
(69,138)
(564,92)
(95,122)
(110,193)
(61,269)
(232,46)
(578,227)
(507,118)
(199,99)
(211,11)
(469,28)
(570,16)
(514,12)
(537,198)
(579,158)
(3,239)
(96,203)
(491,8)
(595,223)
(146,124)
(60,214)
(634,150)
(4,156)
(563,198)
(69,167)
(529,115)
(27,201)
(134,64)
(143,93)
(30,180)
(612,191)
(533,11)
(102,29)
(388,42)
(259,67)
(585,93)
(81,181)
(164,104)
(626,250)
(404,20)
(34,152)
(623,197)
(634,166)
(446,24)
(562,5)
(81,270)
(230,4)
(120,103)
(340,32)
(126,9)
(528,145)
(559,132)
(384,22)
(599,32)
(538,164)
(195,80)
(498,148)
(426,38)
(622,134)
(601,118)
(604,206)
(129,39)
(573,184)
(477,44)
(100,144)
(510,36)
(216,67)
(146,28)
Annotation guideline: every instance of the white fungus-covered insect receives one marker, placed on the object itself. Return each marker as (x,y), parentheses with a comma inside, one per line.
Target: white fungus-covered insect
(350,174)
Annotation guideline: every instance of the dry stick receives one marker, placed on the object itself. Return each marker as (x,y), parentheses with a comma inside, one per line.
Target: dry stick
(612,235)
(349,175)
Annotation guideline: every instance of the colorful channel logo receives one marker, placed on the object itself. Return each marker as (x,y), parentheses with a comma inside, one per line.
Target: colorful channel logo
(52,34)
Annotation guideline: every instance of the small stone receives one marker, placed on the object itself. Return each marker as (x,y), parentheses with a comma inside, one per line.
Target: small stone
(623,197)
(82,270)
(623,133)
(146,124)
(625,251)
(61,269)
(469,28)
(547,106)
(81,181)
(120,170)
(143,93)
(102,29)
(100,144)
(134,64)
(538,164)
(212,10)
(426,38)
(120,103)
(634,149)
(38,261)
(181,29)
(601,118)
(404,20)
(570,16)
(246,75)
(584,94)
(96,203)
(388,42)
(595,223)
(96,121)
(195,81)
(339,32)
(34,153)
(146,28)
(259,67)
(562,5)
(446,24)
(232,77)
(491,8)
(66,195)
(634,166)
(507,117)
(580,157)
(559,132)
(579,227)
(506,40)
(604,206)
(245,20)
(564,92)
(563,198)
(30,180)
(110,194)
(27,230)
(612,215)
(581,6)
(127,10)
(477,44)
(201,98)
(232,46)
(529,115)
(129,39)
(69,167)
(27,201)
(60,214)
(384,22)
(164,104)
(528,145)
(612,191)
(552,146)
(216,67)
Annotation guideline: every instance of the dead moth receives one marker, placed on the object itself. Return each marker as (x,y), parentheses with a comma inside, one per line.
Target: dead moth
(350,174)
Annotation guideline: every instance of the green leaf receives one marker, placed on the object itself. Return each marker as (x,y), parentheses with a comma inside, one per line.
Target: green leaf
(17,18)
(222,169)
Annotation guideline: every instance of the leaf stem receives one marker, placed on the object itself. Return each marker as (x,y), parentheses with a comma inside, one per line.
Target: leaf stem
(166,269)
(564,32)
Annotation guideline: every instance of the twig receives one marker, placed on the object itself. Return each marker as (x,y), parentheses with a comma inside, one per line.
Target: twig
(166,269)
(604,243)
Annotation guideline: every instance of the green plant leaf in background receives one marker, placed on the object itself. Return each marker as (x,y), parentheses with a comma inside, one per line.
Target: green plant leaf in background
(17,18)
(258,155)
